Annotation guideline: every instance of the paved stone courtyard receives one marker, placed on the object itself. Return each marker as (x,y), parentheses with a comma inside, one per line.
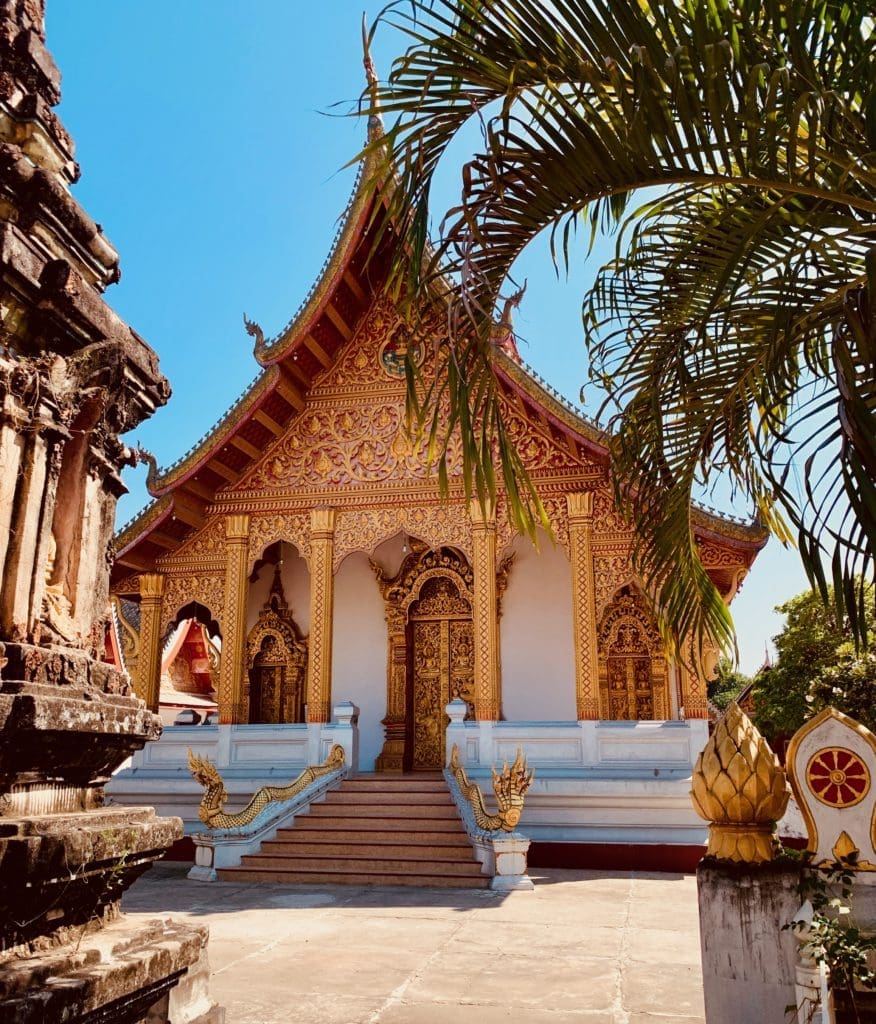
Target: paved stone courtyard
(586,946)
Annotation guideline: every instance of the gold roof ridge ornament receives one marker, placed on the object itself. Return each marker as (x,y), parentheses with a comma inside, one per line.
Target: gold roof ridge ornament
(509,785)
(740,788)
(214,799)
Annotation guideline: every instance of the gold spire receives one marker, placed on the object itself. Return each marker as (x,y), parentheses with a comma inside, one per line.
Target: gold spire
(375,122)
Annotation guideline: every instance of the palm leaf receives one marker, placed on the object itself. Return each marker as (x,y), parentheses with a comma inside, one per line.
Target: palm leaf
(743,285)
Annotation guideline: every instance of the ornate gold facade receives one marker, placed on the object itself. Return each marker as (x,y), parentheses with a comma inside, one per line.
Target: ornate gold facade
(316,455)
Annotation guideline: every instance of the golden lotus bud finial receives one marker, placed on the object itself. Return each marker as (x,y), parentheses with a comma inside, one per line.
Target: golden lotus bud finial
(740,788)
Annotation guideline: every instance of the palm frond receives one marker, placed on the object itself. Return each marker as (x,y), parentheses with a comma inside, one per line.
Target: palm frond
(743,285)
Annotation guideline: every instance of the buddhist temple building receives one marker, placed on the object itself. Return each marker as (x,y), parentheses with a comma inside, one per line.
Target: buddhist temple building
(306,540)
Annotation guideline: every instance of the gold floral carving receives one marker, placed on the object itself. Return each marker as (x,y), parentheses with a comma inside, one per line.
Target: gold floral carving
(359,366)
(353,429)
(208,545)
(633,670)
(292,527)
(208,589)
(510,787)
(276,661)
(485,616)
(434,589)
(215,797)
(540,451)
(149,663)
(606,516)
(714,557)
(611,570)
(693,684)
(580,527)
(234,616)
(436,525)
(740,788)
(127,586)
(319,669)
(129,638)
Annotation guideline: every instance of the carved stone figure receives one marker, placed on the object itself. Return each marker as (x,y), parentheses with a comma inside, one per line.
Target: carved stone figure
(73,377)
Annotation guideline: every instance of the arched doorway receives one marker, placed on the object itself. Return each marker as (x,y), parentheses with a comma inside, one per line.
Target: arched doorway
(633,671)
(276,662)
(430,657)
(440,642)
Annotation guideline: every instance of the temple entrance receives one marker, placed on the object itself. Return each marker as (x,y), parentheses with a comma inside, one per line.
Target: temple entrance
(276,663)
(633,674)
(440,642)
(430,654)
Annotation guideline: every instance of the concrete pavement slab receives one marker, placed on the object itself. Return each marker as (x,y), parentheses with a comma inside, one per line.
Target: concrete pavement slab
(584,946)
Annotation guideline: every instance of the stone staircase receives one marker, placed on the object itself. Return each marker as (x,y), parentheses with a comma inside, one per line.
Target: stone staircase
(373,830)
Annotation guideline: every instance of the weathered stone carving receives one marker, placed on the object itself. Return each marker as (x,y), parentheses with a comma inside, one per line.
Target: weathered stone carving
(215,796)
(73,377)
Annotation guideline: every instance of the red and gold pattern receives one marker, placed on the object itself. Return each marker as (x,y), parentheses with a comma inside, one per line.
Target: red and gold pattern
(838,777)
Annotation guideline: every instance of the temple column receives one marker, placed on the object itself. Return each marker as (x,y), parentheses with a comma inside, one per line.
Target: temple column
(391,758)
(322,596)
(234,618)
(148,681)
(580,513)
(485,619)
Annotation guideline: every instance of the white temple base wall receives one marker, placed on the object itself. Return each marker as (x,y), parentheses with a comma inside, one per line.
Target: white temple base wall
(595,782)
(247,756)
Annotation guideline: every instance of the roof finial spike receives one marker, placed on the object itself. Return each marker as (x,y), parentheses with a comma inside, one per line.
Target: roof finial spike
(375,122)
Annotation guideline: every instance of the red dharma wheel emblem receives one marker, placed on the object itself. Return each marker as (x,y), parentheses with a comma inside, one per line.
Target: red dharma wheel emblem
(838,777)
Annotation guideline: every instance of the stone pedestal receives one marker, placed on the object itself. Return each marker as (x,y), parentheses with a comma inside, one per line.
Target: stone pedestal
(748,960)
(73,378)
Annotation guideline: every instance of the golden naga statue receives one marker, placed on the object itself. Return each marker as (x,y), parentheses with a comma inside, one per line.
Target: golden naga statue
(510,788)
(210,811)
(740,789)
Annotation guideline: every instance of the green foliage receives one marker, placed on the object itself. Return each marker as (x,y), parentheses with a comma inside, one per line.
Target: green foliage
(832,937)
(727,684)
(735,331)
(816,665)
(849,685)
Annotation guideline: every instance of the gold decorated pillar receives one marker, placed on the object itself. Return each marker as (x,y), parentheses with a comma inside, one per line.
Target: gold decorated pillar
(485,619)
(234,618)
(322,592)
(391,758)
(149,662)
(580,512)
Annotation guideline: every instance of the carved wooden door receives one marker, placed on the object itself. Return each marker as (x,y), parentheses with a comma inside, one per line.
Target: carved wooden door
(630,688)
(441,645)
(267,685)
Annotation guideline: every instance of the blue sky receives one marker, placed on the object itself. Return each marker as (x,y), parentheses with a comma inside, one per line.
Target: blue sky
(213,148)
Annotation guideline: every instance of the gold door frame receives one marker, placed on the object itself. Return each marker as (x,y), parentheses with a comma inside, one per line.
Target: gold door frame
(440,668)
(400,592)
(275,620)
(628,644)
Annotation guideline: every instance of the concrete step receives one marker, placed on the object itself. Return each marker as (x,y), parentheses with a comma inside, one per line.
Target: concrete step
(414,798)
(371,831)
(344,865)
(361,845)
(376,822)
(365,785)
(431,832)
(355,811)
(299,877)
